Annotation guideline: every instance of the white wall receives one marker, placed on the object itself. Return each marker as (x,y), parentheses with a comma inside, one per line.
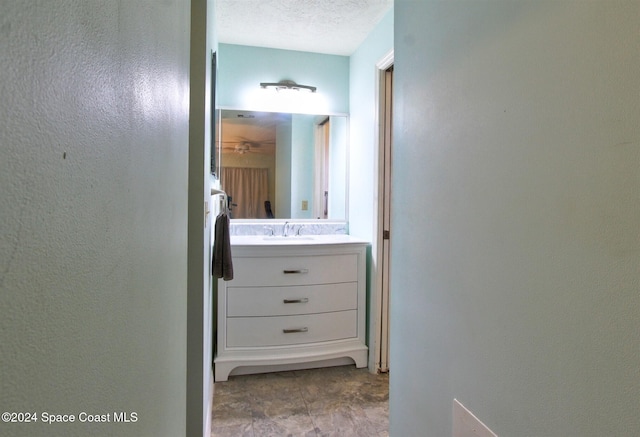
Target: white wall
(515,263)
(93,254)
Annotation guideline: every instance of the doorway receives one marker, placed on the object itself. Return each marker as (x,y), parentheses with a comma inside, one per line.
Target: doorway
(383,235)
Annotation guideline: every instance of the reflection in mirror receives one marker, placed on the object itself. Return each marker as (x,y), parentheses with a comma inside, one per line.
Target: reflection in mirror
(287,166)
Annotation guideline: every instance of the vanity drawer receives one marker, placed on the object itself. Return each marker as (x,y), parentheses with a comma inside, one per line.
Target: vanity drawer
(290,330)
(295,270)
(280,301)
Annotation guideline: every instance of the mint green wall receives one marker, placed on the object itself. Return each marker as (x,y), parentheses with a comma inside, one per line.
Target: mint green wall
(516,217)
(242,68)
(363,127)
(363,149)
(94,169)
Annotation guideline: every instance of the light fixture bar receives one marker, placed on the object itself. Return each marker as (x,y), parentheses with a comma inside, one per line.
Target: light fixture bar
(287,85)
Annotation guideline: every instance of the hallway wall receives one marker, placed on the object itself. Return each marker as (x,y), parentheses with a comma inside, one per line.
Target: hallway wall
(517,215)
(200,302)
(93,254)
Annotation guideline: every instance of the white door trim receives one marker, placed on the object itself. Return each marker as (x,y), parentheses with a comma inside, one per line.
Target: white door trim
(377,250)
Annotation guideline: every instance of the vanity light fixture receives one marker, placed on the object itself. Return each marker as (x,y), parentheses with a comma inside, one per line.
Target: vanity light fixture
(287,85)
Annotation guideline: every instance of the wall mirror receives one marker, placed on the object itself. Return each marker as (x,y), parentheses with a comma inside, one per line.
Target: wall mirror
(284,166)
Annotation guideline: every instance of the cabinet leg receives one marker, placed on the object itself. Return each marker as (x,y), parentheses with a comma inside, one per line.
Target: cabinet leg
(222,372)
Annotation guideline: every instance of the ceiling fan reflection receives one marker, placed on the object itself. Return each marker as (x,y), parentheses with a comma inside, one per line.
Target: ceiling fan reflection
(247,146)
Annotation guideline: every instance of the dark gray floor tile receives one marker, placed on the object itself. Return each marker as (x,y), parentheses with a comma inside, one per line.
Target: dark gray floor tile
(341,401)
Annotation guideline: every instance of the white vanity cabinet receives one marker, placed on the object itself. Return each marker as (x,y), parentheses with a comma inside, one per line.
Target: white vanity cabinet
(291,306)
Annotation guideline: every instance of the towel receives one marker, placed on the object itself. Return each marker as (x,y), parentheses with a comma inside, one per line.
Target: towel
(221,262)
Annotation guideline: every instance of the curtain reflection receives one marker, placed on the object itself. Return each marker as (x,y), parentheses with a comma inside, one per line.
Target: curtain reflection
(248,189)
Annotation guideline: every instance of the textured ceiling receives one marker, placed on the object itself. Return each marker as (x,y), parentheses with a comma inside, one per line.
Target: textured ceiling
(323,26)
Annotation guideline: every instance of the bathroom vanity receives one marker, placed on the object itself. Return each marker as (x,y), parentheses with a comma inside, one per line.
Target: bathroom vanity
(295,302)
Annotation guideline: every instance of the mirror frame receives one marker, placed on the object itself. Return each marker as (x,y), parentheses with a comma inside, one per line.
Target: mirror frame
(215,118)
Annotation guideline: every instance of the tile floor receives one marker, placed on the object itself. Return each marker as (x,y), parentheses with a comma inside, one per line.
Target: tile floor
(335,401)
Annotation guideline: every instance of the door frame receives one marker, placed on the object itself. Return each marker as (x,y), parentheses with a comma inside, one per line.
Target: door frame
(377,250)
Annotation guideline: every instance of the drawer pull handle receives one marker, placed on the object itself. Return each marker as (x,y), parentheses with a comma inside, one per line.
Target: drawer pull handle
(295,272)
(302,300)
(291,331)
